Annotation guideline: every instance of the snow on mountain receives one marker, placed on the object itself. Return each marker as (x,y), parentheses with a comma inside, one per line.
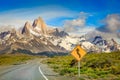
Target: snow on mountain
(67,42)
(37,29)
(38,38)
(34,33)
(98,44)
(40,26)
(87,45)
(4,34)
(106,45)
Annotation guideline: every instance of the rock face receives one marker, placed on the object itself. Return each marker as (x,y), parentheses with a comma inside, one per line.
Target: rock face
(56,32)
(26,29)
(98,40)
(59,33)
(3,34)
(40,26)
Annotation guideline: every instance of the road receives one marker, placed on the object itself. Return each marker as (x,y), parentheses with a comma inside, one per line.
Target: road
(32,70)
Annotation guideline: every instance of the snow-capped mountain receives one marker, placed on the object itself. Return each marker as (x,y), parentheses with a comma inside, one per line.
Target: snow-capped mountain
(66,42)
(106,45)
(32,39)
(37,38)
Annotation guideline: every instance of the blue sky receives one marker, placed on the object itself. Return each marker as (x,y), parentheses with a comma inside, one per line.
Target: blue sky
(89,13)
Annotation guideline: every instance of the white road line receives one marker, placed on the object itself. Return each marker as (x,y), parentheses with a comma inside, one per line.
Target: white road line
(42,74)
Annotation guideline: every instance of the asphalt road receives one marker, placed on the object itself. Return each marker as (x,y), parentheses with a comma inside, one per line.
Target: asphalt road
(32,70)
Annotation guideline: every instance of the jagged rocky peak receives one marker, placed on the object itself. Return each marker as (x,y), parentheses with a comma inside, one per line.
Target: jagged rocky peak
(40,26)
(98,40)
(26,28)
(59,33)
(3,34)
(57,30)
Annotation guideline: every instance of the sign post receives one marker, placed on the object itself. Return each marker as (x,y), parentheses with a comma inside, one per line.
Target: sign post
(79,69)
(78,53)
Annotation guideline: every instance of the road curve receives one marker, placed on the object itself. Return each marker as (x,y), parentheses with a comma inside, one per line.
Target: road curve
(32,70)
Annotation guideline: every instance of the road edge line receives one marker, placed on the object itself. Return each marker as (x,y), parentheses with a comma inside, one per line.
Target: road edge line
(42,74)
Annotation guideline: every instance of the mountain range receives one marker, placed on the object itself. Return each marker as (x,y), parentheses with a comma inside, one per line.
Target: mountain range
(38,39)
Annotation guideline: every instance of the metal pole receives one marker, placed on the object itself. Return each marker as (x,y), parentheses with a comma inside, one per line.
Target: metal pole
(79,69)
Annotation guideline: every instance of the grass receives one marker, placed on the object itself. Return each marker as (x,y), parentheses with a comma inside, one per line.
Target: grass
(14,59)
(105,66)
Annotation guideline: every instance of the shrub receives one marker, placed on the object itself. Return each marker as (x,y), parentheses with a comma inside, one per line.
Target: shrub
(92,65)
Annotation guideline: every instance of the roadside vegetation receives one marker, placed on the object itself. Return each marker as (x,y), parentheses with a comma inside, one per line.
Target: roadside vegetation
(15,59)
(104,66)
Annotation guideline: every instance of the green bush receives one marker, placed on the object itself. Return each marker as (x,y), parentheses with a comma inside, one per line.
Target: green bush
(93,65)
(14,59)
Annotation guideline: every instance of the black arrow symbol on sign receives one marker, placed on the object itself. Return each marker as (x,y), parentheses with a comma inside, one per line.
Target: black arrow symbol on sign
(77,50)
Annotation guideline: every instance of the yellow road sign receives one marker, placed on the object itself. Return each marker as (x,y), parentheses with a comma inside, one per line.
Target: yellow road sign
(78,52)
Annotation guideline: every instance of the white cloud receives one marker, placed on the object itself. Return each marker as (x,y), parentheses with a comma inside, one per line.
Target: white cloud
(20,16)
(5,28)
(113,22)
(111,26)
(78,25)
(82,31)
(75,22)
(73,25)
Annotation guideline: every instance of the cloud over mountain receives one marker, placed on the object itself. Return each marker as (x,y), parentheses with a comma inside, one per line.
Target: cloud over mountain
(111,25)
(73,25)
(6,28)
(78,25)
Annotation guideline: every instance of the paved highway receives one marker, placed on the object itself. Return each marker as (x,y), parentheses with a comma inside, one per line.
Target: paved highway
(32,70)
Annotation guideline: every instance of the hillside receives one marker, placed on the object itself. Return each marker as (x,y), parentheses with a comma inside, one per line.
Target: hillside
(104,66)
(15,59)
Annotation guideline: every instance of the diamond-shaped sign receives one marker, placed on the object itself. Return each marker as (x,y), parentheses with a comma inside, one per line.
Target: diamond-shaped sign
(78,52)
